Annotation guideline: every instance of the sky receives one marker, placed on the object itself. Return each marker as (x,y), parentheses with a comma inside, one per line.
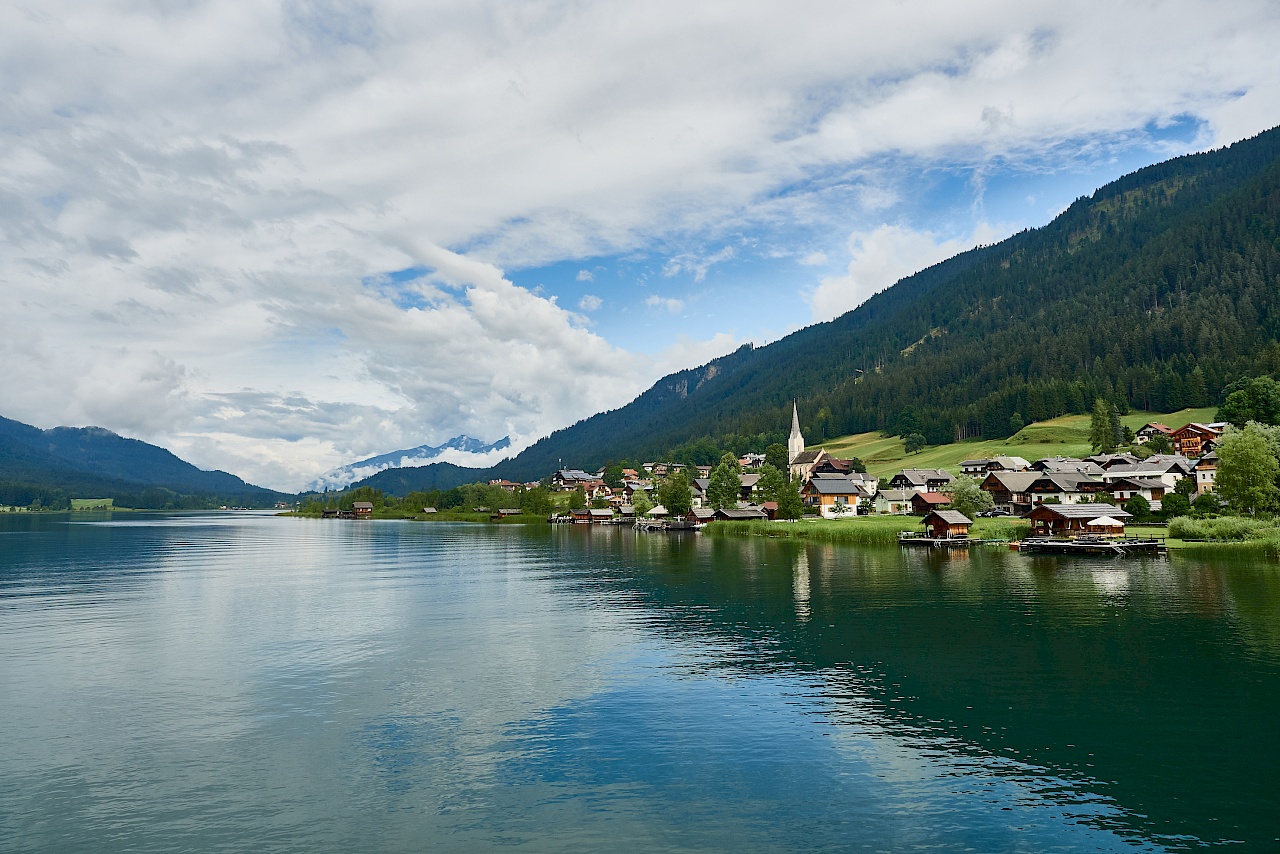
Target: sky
(278,237)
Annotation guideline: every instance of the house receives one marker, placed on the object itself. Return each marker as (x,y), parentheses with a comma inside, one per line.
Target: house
(1190,440)
(363,509)
(1165,468)
(581,517)
(946,524)
(734,514)
(831,467)
(1059,520)
(1107,461)
(924,480)
(600,516)
(1067,465)
(428,510)
(979,468)
(1206,471)
(1010,490)
(834,496)
(770,509)
(568,479)
(700,515)
(747,485)
(1151,429)
(1065,487)
(894,501)
(1149,488)
(923,502)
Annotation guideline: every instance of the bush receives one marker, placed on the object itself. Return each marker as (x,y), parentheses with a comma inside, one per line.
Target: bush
(1222,529)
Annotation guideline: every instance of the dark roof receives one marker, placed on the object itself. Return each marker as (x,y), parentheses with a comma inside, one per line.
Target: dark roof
(728,513)
(602,513)
(836,486)
(806,457)
(362,505)
(1015,481)
(951,517)
(1085,511)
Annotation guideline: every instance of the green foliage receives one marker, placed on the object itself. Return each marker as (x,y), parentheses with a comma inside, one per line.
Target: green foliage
(674,494)
(776,455)
(1251,400)
(1159,444)
(730,459)
(771,484)
(968,497)
(613,475)
(722,490)
(1139,507)
(913,443)
(1175,504)
(1102,427)
(1186,487)
(790,504)
(1016,423)
(1222,529)
(1206,504)
(578,499)
(640,501)
(1247,470)
(857,465)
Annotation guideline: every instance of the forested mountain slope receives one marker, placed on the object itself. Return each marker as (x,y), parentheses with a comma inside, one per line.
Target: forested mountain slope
(90,462)
(1155,292)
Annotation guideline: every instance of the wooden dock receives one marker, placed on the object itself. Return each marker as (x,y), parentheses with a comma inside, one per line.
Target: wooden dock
(1093,546)
(910,538)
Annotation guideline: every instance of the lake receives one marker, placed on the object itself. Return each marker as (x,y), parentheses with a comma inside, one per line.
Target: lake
(246,682)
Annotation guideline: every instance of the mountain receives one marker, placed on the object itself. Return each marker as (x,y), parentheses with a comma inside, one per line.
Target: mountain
(90,462)
(412,457)
(1156,292)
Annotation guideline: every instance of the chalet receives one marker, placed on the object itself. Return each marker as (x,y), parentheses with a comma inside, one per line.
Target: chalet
(834,496)
(658,512)
(1206,471)
(894,501)
(508,485)
(871,482)
(599,517)
(751,461)
(700,515)
(923,502)
(568,479)
(1126,487)
(1190,441)
(363,509)
(1167,469)
(1065,487)
(1067,465)
(979,468)
(626,511)
(925,480)
(747,485)
(1150,430)
(581,517)
(1108,461)
(734,514)
(770,509)
(946,524)
(1010,490)
(1058,520)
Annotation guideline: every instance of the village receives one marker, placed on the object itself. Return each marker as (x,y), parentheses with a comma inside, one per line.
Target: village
(1062,497)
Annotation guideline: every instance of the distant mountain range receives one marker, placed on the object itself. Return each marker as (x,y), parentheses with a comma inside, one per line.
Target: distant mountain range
(90,462)
(412,457)
(1157,291)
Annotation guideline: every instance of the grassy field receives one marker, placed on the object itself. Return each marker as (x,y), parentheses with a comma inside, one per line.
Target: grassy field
(92,503)
(1067,436)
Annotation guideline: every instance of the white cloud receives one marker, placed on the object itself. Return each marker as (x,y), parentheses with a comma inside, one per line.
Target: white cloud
(586,276)
(194,197)
(882,257)
(590,302)
(669,303)
(814,259)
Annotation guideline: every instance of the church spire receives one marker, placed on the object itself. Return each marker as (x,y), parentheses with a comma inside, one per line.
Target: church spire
(795,444)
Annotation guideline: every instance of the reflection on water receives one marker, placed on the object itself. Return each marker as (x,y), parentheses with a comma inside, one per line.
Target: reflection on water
(242,681)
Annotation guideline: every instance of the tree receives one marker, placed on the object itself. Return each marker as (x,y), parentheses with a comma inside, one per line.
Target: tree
(731,459)
(599,503)
(1186,487)
(723,488)
(790,504)
(1175,504)
(1139,507)
(1251,400)
(1016,423)
(913,443)
(776,455)
(1207,504)
(1247,470)
(578,499)
(771,484)
(613,475)
(967,496)
(857,465)
(640,502)
(1102,437)
(1160,444)
(1117,428)
(673,493)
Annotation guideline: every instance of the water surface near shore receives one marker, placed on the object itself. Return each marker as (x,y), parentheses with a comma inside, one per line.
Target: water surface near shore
(251,682)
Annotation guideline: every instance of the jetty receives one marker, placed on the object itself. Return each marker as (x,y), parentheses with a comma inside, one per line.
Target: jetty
(1093,546)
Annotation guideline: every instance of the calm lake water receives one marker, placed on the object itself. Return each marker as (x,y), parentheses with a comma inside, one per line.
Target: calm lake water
(242,682)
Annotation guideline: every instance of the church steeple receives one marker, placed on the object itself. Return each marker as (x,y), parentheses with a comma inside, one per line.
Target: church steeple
(795,444)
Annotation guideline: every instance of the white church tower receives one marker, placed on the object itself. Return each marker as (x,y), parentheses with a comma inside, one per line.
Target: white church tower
(795,444)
